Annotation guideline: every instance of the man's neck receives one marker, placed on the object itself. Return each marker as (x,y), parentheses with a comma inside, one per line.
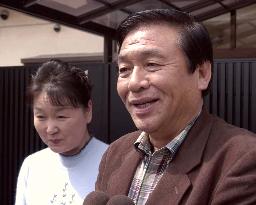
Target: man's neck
(158,140)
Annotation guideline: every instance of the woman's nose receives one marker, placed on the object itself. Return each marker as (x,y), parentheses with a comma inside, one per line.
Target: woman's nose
(52,129)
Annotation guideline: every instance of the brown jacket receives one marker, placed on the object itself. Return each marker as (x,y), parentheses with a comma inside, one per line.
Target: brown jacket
(216,165)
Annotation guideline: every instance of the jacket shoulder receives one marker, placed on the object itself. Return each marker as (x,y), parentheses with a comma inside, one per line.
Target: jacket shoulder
(124,143)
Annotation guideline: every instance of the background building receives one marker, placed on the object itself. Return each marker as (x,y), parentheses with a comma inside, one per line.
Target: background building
(24,36)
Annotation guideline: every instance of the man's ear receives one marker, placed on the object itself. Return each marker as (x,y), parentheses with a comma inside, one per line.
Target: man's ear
(204,75)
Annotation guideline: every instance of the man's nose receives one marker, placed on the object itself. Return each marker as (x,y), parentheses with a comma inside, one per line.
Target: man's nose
(138,80)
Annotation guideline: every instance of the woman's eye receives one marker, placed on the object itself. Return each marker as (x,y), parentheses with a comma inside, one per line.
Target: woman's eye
(61,117)
(40,117)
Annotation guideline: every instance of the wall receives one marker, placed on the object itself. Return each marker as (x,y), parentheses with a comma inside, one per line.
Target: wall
(233,98)
(23,36)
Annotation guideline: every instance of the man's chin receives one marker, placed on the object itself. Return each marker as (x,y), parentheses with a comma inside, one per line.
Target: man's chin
(148,128)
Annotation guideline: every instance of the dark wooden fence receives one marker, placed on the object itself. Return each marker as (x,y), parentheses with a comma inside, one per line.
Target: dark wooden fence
(233,97)
(233,94)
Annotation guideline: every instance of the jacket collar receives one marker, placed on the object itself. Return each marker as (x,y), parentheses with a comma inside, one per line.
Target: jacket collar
(175,181)
(191,151)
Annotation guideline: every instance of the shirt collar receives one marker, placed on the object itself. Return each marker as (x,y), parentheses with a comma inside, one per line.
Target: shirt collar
(143,143)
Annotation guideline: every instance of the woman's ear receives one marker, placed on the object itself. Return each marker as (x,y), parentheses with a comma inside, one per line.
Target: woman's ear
(204,75)
(88,112)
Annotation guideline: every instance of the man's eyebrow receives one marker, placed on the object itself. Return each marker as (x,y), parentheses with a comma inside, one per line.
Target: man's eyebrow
(121,58)
(152,53)
(143,53)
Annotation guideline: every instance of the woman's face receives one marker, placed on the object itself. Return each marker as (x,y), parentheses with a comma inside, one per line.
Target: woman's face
(62,128)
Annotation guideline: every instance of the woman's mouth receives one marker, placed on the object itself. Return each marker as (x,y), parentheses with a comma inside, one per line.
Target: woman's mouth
(55,141)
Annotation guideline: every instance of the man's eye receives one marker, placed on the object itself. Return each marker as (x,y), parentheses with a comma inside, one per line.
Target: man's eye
(124,71)
(150,66)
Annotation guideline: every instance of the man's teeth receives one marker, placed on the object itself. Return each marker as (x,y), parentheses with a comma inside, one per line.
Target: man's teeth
(144,105)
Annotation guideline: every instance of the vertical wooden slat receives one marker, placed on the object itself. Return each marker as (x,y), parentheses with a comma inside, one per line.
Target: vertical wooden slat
(214,91)
(229,92)
(27,124)
(21,119)
(252,119)
(237,91)
(221,89)
(5,136)
(13,141)
(245,94)
(207,100)
(10,135)
(2,172)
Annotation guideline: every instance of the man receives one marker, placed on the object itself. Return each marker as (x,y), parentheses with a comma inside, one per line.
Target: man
(181,154)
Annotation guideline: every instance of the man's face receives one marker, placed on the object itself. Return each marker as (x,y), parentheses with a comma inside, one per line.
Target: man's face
(155,83)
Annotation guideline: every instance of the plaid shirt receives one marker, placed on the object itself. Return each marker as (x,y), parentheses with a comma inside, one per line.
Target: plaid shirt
(152,167)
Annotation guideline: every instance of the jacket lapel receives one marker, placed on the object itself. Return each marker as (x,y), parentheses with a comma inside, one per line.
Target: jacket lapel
(191,151)
(120,180)
(170,188)
(175,181)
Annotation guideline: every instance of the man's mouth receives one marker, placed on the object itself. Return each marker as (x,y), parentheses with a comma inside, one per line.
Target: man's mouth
(143,104)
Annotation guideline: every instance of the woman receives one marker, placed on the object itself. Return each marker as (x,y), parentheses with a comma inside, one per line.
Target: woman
(66,171)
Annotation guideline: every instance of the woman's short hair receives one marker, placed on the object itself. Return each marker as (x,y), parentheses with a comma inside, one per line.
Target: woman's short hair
(63,84)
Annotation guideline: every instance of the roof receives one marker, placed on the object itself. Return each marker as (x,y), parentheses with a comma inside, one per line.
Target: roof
(102,16)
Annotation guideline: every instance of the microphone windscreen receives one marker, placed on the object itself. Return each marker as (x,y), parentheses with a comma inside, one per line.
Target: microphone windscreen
(96,198)
(120,200)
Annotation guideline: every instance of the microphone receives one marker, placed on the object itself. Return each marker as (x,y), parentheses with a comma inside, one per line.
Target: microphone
(96,198)
(120,200)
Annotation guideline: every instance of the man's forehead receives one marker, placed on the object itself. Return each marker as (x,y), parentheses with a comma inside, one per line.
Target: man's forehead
(150,33)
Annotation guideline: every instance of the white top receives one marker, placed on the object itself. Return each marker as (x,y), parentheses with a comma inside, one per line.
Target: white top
(46,177)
